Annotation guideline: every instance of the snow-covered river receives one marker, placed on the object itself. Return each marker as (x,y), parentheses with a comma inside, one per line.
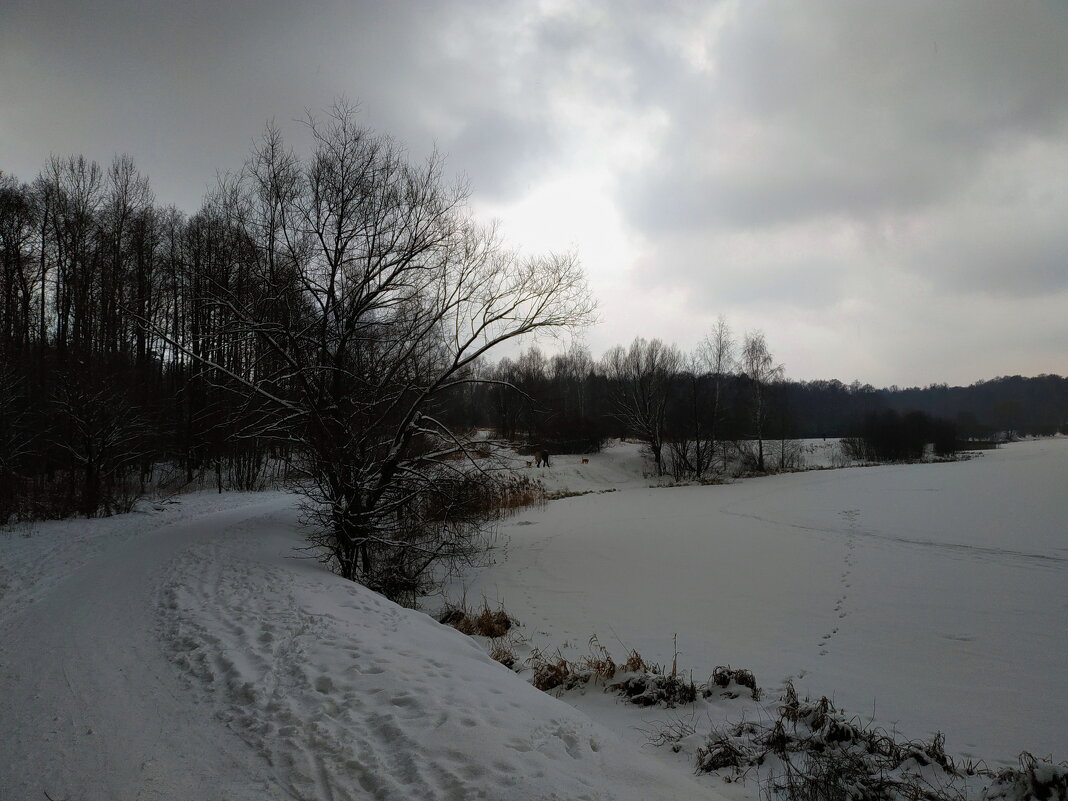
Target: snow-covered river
(932,597)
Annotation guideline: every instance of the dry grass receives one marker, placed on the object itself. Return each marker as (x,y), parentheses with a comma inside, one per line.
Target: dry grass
(643,684)
(504,652)
(555,671)
(718,753)
(552,672)
(656,689)
(559,495)
(670,732)
(519,492)
(724,676)
(485,622)
(813,752)
(634,664)
(598,662)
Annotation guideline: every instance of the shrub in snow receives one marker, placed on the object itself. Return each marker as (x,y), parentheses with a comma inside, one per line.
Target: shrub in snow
(650,689)
(1033,779)
(725,676)
(814,752)
(484,623)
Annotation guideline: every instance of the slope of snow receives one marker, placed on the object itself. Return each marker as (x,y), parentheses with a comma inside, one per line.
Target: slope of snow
(190,651)
(197,655)
(91,708)
(930,596)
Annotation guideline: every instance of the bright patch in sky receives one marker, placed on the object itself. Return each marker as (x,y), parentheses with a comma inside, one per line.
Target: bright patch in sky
(877,186)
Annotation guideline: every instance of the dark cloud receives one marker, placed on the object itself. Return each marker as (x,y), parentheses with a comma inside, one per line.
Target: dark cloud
(861,110)
(828,171)
(186,87)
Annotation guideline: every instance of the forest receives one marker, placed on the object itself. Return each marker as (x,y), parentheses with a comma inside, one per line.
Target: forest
(335,320)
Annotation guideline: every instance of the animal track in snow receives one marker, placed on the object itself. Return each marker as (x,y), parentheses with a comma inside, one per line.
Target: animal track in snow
(849,561)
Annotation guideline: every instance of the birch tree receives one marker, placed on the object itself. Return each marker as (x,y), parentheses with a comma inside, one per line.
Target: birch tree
(762,373)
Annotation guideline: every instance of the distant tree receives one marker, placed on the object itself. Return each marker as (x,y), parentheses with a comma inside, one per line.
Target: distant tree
(690,447)
(717,355)
(17,229)
(639,382)
(569,422)
(100,435)
(762,373)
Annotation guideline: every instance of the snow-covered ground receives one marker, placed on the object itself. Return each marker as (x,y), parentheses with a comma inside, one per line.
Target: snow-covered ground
(930,597)
(192,653)
(189,651)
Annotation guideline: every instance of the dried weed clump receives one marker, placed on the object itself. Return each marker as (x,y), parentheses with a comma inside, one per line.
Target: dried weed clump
(485,622)
(634,664)
(1035,778)
(504,652)
(718,753)
(494,624)
(724,676)
(552,672)
(635,680)
(813,751)
(598,662)
(651,689)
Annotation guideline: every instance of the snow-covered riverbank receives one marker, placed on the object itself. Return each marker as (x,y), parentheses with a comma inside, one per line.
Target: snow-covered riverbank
(189,651)
(930,596)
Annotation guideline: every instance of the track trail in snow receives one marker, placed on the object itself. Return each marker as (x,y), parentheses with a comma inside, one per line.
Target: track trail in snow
(849,561)
(348,696)
(211,660)
(91,708)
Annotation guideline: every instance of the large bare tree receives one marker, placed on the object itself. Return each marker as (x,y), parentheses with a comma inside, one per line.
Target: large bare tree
(364,296)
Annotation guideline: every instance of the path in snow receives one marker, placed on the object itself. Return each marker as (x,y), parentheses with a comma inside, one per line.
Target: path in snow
(205,659)
(91,707)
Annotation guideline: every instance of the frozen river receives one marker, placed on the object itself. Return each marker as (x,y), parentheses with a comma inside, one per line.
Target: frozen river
(932,597)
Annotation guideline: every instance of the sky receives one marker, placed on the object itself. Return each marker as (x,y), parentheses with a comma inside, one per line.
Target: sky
(880,187)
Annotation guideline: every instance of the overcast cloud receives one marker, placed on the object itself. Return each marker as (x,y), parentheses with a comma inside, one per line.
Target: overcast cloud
(879,186)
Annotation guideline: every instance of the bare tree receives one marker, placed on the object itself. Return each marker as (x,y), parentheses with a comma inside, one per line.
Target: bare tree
(690,447)
(75,190)
(639,384)
(17,229)
(760,369)
(366,297)
(127,200)
(717,355)
(101,435)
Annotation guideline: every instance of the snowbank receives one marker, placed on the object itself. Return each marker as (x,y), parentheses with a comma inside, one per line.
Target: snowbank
(206,658)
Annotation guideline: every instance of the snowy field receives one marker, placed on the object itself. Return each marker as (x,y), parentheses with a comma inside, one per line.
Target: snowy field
(188,651)
(932,597)
(190,654)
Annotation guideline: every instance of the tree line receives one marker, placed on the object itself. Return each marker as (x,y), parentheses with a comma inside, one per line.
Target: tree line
(330,318)
(727,405)
(321,313)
